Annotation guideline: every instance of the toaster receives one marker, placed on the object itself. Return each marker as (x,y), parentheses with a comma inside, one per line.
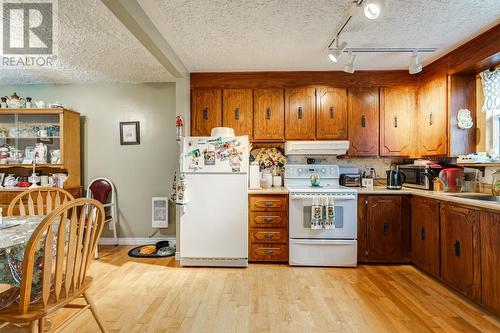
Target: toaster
(350,180)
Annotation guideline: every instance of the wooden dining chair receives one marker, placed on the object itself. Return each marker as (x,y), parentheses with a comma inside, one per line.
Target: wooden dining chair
(67,238)
(38,201)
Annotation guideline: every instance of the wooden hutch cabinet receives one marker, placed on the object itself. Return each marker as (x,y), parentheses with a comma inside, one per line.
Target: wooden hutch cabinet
(56,131)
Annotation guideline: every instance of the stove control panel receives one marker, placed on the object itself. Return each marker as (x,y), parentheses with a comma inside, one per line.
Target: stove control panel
(306,170)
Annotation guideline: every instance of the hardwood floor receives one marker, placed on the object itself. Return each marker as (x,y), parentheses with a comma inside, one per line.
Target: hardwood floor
(134,295)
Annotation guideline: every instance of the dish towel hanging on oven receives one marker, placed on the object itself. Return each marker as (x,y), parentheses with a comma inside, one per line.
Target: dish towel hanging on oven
(329,215)
(316,213)
(323,213)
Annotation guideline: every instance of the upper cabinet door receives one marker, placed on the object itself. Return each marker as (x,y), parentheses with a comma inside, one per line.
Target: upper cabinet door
(363,109)
(237,111)
(300,113)
(331,114)
(206,111)
(398,110)
(269,114)
(433,127)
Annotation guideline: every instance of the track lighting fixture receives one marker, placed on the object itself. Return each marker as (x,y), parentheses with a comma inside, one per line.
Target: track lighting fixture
(415,65)
(372,9)
(336,53)
(349,67)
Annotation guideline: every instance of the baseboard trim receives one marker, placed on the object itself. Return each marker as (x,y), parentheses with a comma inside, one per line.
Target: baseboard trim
(135,240)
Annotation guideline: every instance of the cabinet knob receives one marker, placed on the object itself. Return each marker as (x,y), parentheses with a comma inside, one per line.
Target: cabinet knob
(299,112)
(430,119)
(331,112)
(205,113)
(269,251)
(268,219)
(268,203)
(422,233)
(363,121)
(269,235)
(269,113)
(386,228)
(456,248)
(237,114)
(395,121)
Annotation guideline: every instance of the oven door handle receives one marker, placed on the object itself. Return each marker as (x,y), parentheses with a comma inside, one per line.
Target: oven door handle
(335,198)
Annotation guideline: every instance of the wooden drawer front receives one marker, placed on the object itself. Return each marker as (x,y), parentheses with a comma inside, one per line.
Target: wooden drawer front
(269,252)
(267,203)
(268,220)
(278,235)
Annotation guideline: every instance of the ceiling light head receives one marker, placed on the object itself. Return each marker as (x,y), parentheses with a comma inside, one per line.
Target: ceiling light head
(336,53)
(415,65)
(372,9)
(349,67)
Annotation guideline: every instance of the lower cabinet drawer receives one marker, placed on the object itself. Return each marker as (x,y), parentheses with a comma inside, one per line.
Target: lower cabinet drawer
(269,252)
(268,219)
(268,203)
(275,235)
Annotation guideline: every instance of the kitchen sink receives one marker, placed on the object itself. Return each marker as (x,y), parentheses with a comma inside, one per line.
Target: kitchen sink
(490,198)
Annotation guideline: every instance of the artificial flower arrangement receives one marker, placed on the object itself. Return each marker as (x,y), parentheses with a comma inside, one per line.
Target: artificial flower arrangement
(271,159)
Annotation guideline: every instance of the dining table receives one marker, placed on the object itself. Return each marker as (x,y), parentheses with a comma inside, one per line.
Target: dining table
(15,232)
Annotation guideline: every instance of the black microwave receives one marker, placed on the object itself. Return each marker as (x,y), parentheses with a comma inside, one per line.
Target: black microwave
(418,176)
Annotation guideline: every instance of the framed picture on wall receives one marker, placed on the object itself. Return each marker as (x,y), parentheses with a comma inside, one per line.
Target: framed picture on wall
(130,133)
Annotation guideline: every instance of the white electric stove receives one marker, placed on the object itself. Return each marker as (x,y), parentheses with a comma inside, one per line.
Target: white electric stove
(320,247)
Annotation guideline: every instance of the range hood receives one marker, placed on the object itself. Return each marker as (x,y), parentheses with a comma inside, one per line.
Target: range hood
(316,147)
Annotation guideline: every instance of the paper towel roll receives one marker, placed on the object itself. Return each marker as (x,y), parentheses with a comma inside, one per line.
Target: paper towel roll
(254,176)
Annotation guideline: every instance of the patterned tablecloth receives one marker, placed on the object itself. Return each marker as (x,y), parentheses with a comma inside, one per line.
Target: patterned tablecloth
(13,241)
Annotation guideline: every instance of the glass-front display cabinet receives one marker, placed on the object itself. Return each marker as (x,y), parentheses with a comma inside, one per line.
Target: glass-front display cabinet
(44,141)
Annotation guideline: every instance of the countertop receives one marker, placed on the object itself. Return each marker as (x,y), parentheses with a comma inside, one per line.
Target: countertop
(443,196)
(271,190)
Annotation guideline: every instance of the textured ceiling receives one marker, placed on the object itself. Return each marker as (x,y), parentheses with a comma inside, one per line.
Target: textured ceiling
(243,35)
(93,47)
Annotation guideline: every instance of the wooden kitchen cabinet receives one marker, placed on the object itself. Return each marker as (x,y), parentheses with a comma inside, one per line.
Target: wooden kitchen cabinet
(490,261)
(331,113)
(433,125)
(398,111)
(363,111)
(300,113)
(460,250)
(206,111)
(425,235)
(268,227)
(269,114)
(383,229)
(237,111)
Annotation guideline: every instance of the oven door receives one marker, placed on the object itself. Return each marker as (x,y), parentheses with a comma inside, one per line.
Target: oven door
(346,220)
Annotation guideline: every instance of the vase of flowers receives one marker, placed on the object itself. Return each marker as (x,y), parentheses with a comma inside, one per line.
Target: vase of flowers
(272,160)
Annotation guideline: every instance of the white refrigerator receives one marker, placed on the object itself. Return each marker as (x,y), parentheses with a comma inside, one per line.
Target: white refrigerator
(214,216)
